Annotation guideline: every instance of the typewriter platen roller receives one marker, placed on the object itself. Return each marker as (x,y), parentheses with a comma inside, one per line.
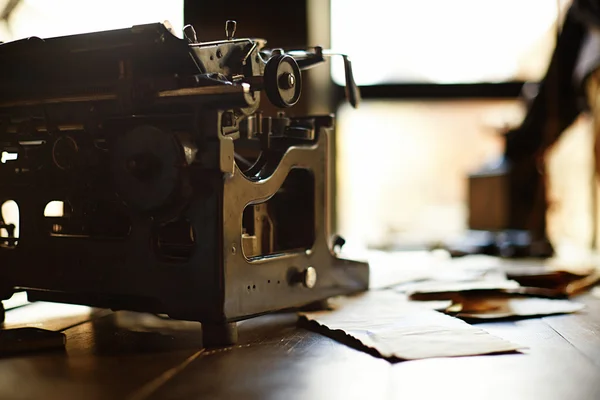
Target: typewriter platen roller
(177,195)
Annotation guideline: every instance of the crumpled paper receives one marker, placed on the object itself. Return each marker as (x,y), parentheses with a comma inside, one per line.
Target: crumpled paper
(397,329)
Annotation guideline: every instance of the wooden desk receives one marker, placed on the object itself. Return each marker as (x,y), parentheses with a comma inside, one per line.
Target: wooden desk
(136,356)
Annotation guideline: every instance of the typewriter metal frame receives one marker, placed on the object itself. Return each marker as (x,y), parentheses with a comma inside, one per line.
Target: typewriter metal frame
(139,133)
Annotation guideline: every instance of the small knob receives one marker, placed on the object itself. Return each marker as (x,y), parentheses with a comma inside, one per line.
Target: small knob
(282,80)
(230,26)
(307,277)
(190,34)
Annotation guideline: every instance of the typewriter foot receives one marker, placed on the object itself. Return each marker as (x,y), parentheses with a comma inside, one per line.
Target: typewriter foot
(319,305)
(217,335)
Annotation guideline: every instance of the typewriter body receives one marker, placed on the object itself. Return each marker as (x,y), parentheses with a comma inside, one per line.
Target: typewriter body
(178,195)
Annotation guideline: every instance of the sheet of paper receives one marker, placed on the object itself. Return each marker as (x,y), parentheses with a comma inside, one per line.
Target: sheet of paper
(398,329)
(559,278)
(388,269)
(515,307)
(431,287)
(392,268)
(17,300)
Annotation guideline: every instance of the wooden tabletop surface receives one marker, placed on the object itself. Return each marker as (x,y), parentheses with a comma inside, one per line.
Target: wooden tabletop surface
(137,356)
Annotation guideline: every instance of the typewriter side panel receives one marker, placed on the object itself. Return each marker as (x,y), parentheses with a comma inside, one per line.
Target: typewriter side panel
(70,107)
(292,277)
(102,253)
(123,275)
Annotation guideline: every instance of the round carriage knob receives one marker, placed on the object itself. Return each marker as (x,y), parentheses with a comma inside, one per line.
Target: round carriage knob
(283,81)
(230,26)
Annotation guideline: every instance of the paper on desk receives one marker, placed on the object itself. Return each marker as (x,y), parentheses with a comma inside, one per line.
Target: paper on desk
(392,268)
(489,309)
(557,277)
(398,329)
(435,288)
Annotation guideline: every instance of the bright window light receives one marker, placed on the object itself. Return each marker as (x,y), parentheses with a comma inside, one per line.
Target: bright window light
(54,209)
(442,41)
(6,156)
(10,215)
(46,19)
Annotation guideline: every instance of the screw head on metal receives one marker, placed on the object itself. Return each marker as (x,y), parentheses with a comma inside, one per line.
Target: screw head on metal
(230,26)
(287,80)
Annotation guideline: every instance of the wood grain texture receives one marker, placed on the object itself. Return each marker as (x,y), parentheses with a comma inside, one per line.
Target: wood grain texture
(138,356)
(582,330)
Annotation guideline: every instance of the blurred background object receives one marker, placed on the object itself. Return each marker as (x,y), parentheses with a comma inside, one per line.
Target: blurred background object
(444,42)
(443,91)
(402,167)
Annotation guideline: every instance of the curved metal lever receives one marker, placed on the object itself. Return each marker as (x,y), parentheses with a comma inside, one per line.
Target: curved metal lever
(307,59)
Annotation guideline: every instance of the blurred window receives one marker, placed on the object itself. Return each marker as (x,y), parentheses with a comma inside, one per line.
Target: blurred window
(444,41)
(51,18)
(402,165)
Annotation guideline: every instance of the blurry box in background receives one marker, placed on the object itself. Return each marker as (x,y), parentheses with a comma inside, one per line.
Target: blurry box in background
(403,165)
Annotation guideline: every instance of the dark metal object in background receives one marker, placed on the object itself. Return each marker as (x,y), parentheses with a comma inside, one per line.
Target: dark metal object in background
(179,196)
(9,8)
(510,199)
(7,12)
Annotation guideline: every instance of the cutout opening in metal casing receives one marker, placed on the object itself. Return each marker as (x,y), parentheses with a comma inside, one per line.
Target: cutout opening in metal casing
(285,222)
(54,209)
(9,224)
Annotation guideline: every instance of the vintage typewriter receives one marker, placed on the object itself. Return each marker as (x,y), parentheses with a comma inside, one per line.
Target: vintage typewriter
(179,197)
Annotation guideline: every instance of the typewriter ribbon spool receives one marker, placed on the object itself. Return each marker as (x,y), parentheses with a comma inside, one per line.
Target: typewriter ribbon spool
(148,165)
